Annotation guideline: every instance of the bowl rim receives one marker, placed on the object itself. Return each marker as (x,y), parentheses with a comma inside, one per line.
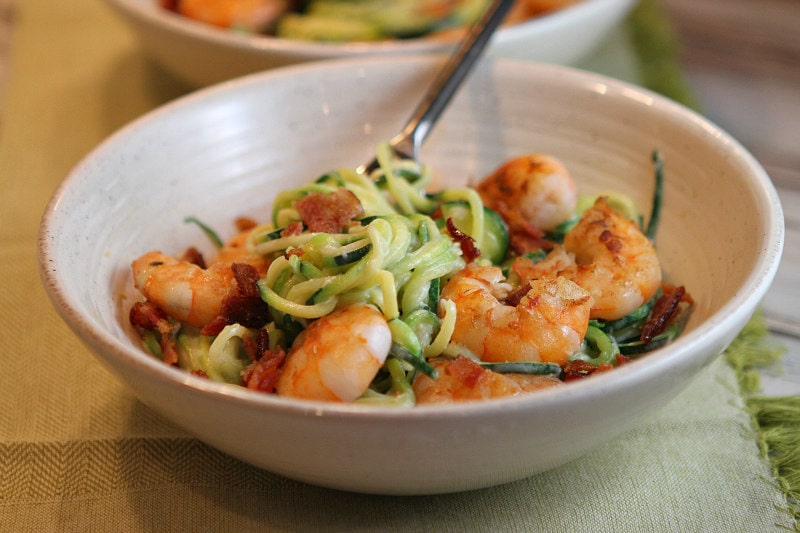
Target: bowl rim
(148,11)
(734,312)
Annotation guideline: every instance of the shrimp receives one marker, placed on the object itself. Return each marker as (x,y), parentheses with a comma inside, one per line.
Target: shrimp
(462,379)
(606,254)
(187,292)
(253,15)
(548,324)
(337,356)
(535,187)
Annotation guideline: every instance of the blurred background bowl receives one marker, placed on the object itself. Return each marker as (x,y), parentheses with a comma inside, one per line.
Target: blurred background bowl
(202,54)
(225,151)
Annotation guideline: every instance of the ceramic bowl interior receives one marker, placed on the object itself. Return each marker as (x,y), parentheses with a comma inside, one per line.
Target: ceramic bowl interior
(226,151)
(201,54)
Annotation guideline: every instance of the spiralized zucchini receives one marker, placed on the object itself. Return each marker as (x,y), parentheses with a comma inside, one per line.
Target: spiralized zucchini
(392,259)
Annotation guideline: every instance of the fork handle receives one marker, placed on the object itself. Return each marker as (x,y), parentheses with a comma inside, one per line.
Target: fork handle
(449,79)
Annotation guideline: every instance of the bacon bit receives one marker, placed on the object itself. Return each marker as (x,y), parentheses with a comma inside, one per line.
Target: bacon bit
(249,311)
(466,242)
(517,295)
(465,370)
(215,327)
(663,311)
(623,359)
(524,237)
(574,370)
(193,255)
(244,224)
(251,347)
(168,349)
(329,213)
(262,375)
(244,305)
(247,277)
(294,228)
(261,344)
(294,251)
(147,316)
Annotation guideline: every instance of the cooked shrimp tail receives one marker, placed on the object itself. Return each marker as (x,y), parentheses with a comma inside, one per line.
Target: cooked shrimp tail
(337,356)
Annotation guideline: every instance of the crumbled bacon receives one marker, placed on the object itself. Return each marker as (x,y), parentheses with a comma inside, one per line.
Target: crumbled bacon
(249,311)
(329,213)
(582,369)
(663,311)
(147,316)
(622,359)
(244,305)
(293,228)
(214,327)
(467,243)
(247,277)
(262,375)
(193,255)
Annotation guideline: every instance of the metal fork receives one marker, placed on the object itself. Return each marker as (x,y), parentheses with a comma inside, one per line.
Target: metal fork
(408,142)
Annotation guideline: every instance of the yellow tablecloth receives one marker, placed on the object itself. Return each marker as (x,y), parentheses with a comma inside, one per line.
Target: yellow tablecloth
(79,453)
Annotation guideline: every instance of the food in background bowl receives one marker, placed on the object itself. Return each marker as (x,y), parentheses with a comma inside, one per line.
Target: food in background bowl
(348,20)
(202,54)
(227,151)
(368,287)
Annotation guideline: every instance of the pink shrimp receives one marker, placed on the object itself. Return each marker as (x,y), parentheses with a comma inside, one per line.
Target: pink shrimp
(535,187)
(187,292)
(462,379)
(606,254)
(337,356)
(547,325)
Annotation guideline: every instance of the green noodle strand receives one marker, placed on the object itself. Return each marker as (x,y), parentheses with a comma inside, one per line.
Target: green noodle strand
(384,157)
(472,198)
(448,325)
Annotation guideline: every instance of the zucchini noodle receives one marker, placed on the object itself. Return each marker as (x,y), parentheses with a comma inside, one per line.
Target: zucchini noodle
(390,260)
(224,360)
(396,260)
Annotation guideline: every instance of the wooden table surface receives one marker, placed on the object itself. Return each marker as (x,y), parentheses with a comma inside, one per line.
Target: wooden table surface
(742,59)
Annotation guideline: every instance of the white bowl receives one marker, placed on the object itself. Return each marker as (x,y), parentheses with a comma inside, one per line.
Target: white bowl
(201,54)
(225,151)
